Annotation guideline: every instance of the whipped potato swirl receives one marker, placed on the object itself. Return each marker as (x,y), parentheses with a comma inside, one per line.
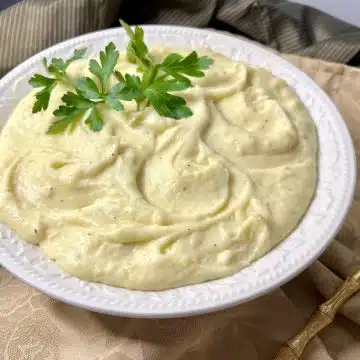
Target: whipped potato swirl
(152,203)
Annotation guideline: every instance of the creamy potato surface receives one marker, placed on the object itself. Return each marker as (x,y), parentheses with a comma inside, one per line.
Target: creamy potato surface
(152,203)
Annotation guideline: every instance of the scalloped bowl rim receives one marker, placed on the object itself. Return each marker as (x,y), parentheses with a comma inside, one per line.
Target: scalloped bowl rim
(331,203)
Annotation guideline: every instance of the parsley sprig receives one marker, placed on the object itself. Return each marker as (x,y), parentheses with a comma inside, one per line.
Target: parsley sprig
(57,72)
(82,102)
(154,86)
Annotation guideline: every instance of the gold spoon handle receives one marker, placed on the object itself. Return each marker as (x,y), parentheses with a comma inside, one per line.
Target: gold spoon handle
(324,316)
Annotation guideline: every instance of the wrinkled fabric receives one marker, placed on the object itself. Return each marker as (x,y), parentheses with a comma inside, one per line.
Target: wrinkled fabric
(34,326)
(32,25)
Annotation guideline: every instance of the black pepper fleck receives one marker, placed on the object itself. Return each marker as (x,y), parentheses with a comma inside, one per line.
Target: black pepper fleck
(35,231)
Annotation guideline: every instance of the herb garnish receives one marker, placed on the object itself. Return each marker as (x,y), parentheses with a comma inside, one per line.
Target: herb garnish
(153,86)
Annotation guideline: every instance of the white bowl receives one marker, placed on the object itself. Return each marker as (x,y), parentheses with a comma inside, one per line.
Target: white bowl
(336,183)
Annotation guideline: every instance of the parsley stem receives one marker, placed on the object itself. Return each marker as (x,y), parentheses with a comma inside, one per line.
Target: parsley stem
(154,72)
(151,76)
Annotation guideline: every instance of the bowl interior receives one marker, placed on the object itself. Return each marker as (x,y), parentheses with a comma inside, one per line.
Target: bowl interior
(326,213)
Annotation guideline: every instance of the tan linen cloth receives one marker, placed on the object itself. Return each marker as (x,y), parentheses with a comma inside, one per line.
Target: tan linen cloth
(36,327)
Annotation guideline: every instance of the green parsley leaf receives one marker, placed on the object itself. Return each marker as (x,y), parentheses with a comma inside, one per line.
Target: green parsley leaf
(127,28)
(179,77)
(113,95)
(137,51)
(167,105)
(69,116)
(63,111)
(128,89)
(114,103)
(131,89)
(76,107)
(105,69)
(58,66)
(42,98)
(88,88)
(38,80)
(94,121)
(205,62)
(170,85)
(76,100)
(118,75)
(78,54)
(190,65)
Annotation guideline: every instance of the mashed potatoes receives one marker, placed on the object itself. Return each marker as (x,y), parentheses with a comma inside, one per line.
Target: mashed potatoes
(153,203)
